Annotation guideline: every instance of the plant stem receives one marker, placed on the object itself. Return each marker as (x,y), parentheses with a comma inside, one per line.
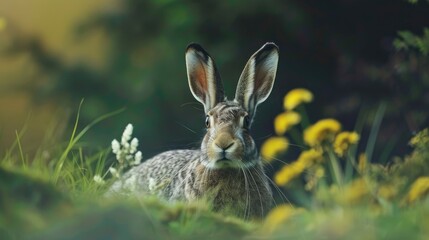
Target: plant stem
(335,168)
(348,175)
(24,163)
(374,131)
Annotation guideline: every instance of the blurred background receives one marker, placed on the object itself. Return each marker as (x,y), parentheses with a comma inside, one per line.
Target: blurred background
(130,54)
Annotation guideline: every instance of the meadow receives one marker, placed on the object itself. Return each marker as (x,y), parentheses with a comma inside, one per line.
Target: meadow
(337,192)
(89,89)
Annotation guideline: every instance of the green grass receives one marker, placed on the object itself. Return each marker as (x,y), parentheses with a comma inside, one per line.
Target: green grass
(52,195)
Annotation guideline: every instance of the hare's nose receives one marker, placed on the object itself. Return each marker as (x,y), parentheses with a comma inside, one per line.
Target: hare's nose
(224,141)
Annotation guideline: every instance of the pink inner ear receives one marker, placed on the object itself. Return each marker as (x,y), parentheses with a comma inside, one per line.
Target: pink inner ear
(201,78)
(199,83)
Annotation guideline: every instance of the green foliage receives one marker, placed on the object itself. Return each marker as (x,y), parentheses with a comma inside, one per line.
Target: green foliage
(354,223)
(36,204)
(53,193)
(145,69)
(26,202)
(417,163)
(408,41)
(33,208)
(63,164)
(41,200)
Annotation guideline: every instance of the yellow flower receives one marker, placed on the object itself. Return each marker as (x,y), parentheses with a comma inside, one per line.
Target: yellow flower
(279,215)
(343,141)
(314,177)
(306,159)
(419,189)
(322,130)
(289,172)
(273,146)
(285,121)
(310,157)
(295,97)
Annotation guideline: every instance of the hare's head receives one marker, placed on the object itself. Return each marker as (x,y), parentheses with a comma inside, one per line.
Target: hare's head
(227,143)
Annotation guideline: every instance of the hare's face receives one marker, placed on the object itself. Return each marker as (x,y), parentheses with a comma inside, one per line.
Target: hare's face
(228,143)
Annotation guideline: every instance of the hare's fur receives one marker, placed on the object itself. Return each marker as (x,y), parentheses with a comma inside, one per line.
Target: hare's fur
(227,171)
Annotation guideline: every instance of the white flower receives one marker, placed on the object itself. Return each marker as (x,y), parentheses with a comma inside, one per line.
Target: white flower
(116,147)
(137,158)
(126,135)
(125,151)
(129,158)
(114,172)
(98,179)
(134,145)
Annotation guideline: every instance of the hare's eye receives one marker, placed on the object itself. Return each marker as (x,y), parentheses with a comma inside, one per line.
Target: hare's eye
(207,121)
(246,122)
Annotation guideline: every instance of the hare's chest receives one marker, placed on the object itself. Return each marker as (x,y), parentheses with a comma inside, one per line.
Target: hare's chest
(243,195)
(244,199)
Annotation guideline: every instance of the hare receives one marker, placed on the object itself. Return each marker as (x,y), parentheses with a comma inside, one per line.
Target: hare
(227,170)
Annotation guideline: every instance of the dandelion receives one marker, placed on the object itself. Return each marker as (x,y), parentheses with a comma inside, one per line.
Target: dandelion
(305,160)
(343,141)
(98,179)
(295,97)
(279,215)
(285,121)
(322,130)
(314,177)
(289,172)
(418,189)
(273,146)
(311,157)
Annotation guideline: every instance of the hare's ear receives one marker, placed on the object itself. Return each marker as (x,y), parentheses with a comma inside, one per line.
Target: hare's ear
(203,77)
(257,79)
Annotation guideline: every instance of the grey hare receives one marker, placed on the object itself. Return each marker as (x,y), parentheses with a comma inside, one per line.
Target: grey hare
(227,170)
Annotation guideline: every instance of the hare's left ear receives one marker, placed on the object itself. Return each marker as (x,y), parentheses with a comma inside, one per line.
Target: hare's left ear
(257,79)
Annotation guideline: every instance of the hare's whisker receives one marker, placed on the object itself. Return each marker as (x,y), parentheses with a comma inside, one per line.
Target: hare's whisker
(282,195)
(257,189)
(246,188)
(184,126)
(190,103)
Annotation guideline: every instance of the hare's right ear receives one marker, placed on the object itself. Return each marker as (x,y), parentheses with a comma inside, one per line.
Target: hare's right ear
(203,77)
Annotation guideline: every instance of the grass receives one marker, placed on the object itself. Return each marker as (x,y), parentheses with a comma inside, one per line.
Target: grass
(53,196)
